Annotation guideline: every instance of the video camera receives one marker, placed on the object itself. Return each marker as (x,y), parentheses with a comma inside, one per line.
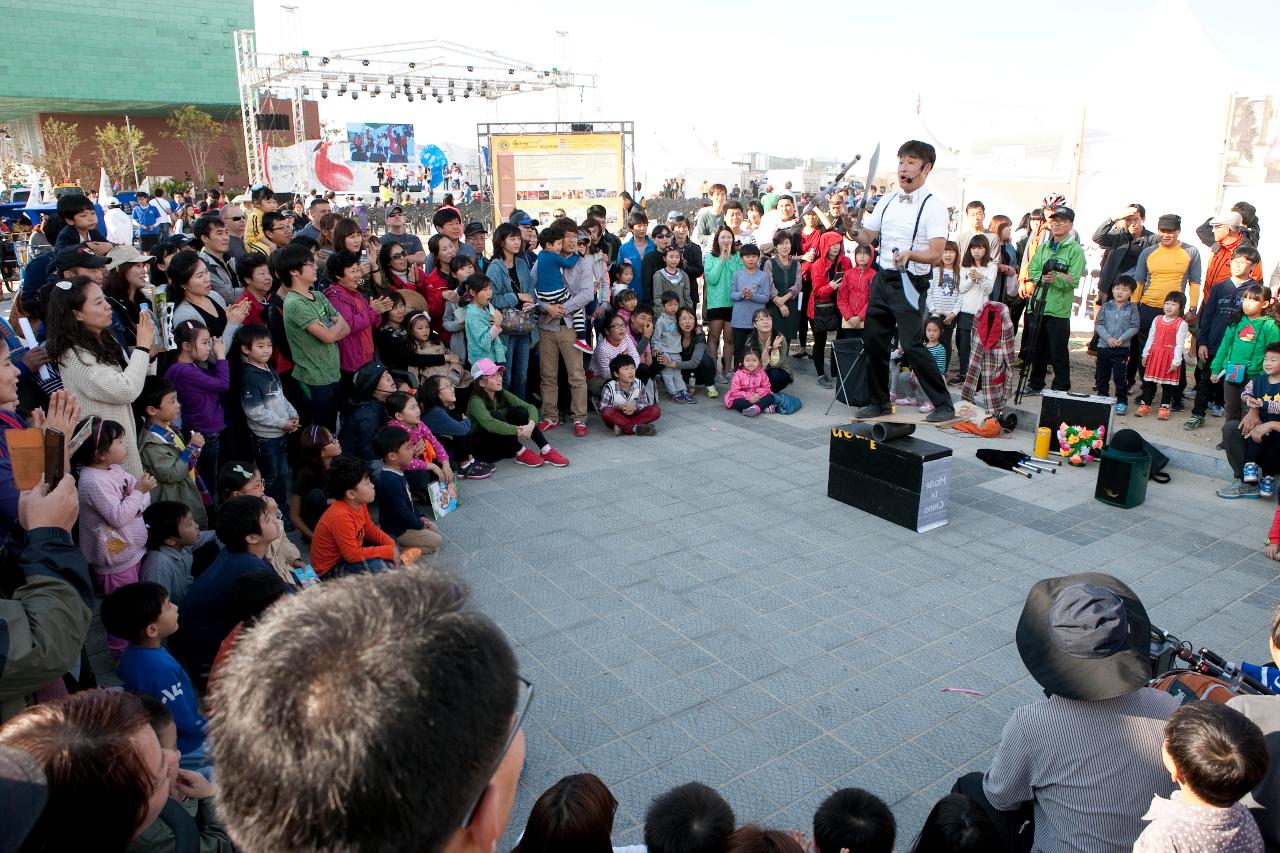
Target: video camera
(1054,265)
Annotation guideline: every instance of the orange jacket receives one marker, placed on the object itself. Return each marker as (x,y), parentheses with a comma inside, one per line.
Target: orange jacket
(348,535)
(1220,262)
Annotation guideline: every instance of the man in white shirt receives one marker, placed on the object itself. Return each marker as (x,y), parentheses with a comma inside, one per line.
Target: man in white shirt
(782,216)
(912,226)
(975,216)
(160,203)
(119,225)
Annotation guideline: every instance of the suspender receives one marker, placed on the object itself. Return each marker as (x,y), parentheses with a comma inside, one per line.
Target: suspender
(914,231)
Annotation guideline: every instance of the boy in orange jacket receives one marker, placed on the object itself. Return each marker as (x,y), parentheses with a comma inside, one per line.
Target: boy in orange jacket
(346,539)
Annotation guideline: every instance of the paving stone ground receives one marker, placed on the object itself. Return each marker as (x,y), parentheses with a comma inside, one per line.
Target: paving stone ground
(693,606)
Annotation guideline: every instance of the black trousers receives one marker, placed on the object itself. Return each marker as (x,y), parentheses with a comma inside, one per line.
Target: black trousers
(964,341)
(806,293)
(1206,392)
(889,309)
(1051,348)
(492,447)
(1112,362)
(1016,828)
(1265,453)
(778,378)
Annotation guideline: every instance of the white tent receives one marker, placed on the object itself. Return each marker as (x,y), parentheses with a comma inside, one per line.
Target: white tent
(683,155)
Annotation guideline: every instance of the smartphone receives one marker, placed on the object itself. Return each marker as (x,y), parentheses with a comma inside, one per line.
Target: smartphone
(81,436)
(55,448)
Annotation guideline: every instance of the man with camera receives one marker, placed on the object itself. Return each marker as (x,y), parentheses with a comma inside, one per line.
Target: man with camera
(1055,271)
(912,226)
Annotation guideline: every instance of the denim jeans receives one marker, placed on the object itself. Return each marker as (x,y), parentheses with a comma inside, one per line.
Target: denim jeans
(272,456)
(371,566)
(517,373)
(207,462)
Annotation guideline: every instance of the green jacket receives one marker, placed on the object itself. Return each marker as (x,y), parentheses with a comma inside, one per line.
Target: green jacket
(159,836)
(1247,349)
(482,414)
(45,621)
(1057,302)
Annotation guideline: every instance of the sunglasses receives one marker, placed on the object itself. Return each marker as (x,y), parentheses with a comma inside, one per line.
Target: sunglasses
(233,218)
(523,698)
(397,256)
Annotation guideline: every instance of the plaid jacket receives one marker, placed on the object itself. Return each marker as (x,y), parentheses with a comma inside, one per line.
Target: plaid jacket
(991,358)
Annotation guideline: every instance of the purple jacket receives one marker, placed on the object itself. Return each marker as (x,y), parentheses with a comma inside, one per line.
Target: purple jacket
(356,349)
(200,392)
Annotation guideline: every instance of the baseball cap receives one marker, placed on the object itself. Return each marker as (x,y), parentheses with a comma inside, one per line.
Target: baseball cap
(126,255)
(1169,222)
(475,228)
(674,215)
(519,217)
(1063,212)
(115,202)
(485,367)
(1228,217)
(79,256)
(394,209)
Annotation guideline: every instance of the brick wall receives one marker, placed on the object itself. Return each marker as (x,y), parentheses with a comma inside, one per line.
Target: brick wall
(171,159)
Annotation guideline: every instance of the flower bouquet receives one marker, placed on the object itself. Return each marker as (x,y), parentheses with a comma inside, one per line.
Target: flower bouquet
(1080,444)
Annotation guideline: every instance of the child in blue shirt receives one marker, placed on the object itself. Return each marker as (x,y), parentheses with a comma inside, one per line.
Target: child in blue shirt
(143,614)
(548,280)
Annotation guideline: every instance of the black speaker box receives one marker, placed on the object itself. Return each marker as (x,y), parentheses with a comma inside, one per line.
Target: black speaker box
(1083,410)
(904,480)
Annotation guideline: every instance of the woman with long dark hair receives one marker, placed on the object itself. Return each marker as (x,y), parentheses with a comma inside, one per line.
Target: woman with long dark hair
(123,285)
(192,296)
(575,815)
(94,367)
(512,288)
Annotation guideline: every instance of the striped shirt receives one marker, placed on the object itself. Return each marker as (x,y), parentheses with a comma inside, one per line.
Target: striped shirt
(1091,768)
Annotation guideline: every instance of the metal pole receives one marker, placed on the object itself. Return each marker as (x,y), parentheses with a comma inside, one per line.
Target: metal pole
(129,130)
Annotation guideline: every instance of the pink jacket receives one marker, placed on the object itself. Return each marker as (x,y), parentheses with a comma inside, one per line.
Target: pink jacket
(421,433)
(744,383)
(356,349)
(107,508)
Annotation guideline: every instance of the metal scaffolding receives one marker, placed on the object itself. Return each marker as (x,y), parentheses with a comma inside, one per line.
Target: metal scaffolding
(433,69)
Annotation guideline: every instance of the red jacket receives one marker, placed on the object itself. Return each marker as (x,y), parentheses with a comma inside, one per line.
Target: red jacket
(852,296)
(822,270)
(807,242)
(433,287)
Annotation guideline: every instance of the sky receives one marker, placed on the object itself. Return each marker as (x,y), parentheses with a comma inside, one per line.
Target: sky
(826,81)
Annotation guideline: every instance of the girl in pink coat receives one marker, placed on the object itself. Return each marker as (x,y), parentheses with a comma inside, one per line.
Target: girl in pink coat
(750,392)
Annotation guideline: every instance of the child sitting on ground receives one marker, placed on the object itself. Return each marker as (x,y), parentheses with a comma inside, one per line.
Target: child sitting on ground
(371,387)
(666,341)
(908,389)
(957,824)
(1216,755)
(853,819)
(143,614)
(624,402)
(430,460)
(749,392)
(625,301)
(427,348)
(689,817)
(1253,444)
(548,281)
(346,540)
(172,536)
(396,512)
(244,478)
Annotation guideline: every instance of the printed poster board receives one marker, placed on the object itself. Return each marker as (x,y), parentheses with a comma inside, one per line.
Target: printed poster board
(541,172)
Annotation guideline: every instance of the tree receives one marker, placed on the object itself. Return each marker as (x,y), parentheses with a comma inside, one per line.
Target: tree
(60,143)
(122,152)
(197,131)
(13,156)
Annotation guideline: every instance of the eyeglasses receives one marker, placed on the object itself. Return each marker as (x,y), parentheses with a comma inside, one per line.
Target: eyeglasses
(397,257)
(524,697)
(233,219)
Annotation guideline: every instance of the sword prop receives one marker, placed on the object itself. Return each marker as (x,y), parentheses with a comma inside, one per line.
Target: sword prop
(824,194)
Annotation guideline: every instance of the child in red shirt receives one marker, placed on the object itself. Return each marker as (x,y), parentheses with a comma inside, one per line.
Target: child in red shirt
(346,539)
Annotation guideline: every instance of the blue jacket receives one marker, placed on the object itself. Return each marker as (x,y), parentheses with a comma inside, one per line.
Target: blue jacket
(441,423)
(548,271)
(395,504)
(206,617)
(628,253)
(504,294)
(157,673)
(357,430)
(1215,312)
(148,219)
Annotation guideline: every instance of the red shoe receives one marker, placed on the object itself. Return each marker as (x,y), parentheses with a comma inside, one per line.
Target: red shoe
(529,459)
(579,429)
(553,457)
(583,347)
(546,425)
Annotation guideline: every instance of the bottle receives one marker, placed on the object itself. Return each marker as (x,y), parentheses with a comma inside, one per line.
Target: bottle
(1044,436)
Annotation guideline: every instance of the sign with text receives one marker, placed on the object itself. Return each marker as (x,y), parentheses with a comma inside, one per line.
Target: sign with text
(540,173)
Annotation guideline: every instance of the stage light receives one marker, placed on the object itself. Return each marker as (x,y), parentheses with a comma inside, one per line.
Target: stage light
(390,79)
(324,93)
(410,97)
(511,71)
(377,90)
(324,60)
(364,87)
(393,94)
(470,68)
(365,63)
(413,65)
(351,78)
(439,100)
(452,97)
(355,96)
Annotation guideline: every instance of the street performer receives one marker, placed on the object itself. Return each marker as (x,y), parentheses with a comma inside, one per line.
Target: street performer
(912,226)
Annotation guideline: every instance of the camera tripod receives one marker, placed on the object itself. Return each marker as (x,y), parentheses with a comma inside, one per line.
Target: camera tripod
(1034,322)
